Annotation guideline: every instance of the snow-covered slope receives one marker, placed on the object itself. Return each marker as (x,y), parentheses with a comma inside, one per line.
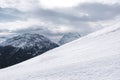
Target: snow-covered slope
(94,57)
(69,37)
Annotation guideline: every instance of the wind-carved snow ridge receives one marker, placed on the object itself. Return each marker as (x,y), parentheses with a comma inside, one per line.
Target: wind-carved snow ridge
(93,57)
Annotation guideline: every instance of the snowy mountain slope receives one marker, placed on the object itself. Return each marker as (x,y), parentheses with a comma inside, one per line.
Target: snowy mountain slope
(22,47)
(94,57)
(69,37)
(27,40)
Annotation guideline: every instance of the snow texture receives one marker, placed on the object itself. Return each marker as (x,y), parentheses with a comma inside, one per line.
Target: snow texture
(93,57)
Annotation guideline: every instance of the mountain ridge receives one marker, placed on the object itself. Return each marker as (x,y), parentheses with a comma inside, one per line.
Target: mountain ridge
(23,47)
(68,37)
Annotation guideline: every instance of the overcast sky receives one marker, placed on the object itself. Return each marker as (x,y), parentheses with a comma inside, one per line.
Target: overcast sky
(54,18)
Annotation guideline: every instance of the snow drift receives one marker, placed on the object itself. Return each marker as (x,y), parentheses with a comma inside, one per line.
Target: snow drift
(93,57)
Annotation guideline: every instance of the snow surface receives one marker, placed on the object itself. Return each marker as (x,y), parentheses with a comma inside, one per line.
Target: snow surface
(93,57)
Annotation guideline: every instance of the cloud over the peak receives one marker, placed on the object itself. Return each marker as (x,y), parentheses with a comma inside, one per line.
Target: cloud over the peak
(53,20)
(10,15)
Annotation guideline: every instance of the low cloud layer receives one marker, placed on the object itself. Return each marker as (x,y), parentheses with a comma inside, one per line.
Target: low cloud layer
(83,18)
(10,14)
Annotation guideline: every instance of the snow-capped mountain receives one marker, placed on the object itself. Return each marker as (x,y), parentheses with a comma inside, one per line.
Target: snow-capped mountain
(28,40)
(23,47)
(4,36)
(69,37)
(93,57)
(2,39)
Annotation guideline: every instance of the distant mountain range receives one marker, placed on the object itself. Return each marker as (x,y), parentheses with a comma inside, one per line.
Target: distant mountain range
(22,47)
(69,37)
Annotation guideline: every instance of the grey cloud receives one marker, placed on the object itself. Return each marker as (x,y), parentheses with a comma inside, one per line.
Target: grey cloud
(4,30)
(54,16)
(41,30)
(98,11)
(61,18)
(10,14)
(37,29)
(69,17)
(95,11)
